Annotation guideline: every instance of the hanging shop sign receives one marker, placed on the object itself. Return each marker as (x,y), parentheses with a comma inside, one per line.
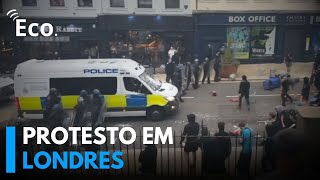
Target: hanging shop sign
(69,29)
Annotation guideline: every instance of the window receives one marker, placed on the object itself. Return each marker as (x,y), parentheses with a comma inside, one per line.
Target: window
(117,3)
(85,3)
(57,3)
(144,3)
(29,3)
(73,86)
(154,84)
(172,4)
(1,7)
(134,85)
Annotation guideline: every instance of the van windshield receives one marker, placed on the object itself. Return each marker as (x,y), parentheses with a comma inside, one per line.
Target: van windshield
(153,83)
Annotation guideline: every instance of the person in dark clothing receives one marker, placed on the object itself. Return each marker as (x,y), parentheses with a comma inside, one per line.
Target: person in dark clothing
(289,151)
(215,150)
(225,137)
(206,70)
(80,108)
(305,90)
(56,115)
(288,61)
(244,90)
(217,67)
(244,161)
(191,131)
(177,81)
(169,71)
(196,73)
(52,99)
(148,160)
(284,91)
(189,74)
(95,106)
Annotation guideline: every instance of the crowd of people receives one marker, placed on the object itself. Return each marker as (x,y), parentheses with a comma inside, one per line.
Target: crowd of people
(191,68)
(283,144)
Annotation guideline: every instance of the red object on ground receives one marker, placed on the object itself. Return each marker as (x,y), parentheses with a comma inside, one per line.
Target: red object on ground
(234,99)
(214,93)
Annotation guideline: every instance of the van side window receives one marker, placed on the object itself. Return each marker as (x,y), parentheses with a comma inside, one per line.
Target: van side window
(73,86)
(134,85)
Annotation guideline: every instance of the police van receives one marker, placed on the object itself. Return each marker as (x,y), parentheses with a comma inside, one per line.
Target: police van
(127,89)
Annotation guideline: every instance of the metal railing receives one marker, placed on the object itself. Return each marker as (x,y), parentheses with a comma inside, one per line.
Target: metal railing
(171,158)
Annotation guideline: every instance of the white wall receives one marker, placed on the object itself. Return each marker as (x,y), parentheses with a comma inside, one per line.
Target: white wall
(71,9)
(158,7)
(256,5)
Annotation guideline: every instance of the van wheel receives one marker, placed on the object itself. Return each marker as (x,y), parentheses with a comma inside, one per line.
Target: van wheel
(155,113)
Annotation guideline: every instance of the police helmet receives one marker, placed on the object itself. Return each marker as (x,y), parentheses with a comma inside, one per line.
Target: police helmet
(53,91)
(196,60)
(206,59)
(83,93)
(96,92)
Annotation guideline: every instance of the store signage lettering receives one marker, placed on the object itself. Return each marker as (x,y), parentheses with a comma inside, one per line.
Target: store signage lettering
(68,29)
(252,19)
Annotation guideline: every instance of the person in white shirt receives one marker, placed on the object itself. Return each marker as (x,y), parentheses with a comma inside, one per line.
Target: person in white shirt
(171,52)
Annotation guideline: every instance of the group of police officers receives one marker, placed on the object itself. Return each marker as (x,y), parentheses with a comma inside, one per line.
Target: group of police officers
(191,71)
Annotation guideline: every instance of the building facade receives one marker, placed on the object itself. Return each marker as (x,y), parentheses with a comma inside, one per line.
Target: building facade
(141,29)
(258,31)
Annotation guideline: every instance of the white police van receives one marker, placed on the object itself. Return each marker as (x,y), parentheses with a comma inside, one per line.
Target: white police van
(128,90)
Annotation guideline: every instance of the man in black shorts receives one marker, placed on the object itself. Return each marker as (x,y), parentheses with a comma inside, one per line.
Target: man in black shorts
(191,131)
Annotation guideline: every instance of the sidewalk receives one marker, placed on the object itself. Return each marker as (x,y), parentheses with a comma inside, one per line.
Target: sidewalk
(260,71)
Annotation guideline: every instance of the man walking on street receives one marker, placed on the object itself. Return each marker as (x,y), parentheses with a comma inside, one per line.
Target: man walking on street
(244,90)
(284,91)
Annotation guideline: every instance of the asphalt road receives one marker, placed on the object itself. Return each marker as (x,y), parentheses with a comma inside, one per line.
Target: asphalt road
(207,108)
(212,109)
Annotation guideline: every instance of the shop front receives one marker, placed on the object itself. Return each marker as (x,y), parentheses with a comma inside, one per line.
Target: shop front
(252,37)
(314,36)
(75,39)
(145,39)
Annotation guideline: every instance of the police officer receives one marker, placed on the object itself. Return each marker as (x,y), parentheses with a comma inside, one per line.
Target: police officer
(83,102)
(177,81)
(196,73)
(52,99)
(206,70)
(189,74)
(217,67)
(170,66)
(96,105)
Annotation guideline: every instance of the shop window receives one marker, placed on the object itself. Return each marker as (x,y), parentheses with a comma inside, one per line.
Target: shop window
(1,7)
(73,86)
(134,85)
(85,3)
(57,3)
(172,4)
(144,3)
(117,3)
(29,3)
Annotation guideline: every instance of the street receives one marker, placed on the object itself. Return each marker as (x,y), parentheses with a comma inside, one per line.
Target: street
(212,109)
(207,108)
